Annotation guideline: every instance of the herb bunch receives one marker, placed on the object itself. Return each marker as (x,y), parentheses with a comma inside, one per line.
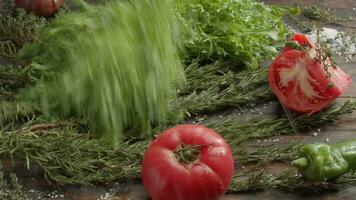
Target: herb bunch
(82,160)
(216,86)
(243,32)
(10,188)
(16,29)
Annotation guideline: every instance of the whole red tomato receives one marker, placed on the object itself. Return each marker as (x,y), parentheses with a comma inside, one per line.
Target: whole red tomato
(302,80)
(44,8)
(187,162)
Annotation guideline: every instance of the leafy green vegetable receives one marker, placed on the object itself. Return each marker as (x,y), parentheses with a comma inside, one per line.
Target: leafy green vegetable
(243,32)
(113,64)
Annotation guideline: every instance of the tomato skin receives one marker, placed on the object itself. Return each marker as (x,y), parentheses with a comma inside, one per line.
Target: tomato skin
(303,40)
(44,8)
(207,178)
(300,81)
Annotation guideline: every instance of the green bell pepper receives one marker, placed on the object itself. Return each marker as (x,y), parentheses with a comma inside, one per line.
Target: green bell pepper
(322,161)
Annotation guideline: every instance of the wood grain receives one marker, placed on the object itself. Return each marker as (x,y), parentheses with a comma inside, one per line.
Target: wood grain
(343,129)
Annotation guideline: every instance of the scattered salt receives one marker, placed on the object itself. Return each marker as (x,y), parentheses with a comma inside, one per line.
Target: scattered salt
(340,42)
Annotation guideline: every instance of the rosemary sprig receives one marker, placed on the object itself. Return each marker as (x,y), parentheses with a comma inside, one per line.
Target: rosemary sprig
(68,157)
(81,160)
(237,132)
(258,179)
(268,153)
(16,110)
(327,116)
(215,87)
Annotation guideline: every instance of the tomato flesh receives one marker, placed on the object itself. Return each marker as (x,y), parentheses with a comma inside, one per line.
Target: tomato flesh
(206,178)
(300,81)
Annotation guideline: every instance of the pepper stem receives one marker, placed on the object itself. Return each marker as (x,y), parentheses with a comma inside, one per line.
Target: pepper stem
(300,163)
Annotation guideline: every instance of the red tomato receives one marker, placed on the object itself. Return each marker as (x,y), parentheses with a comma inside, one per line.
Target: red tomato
(207,177)
(300,81)
(44,8)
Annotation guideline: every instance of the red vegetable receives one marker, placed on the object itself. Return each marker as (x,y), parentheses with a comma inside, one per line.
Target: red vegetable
(302,80)
(187,162)
(43,8)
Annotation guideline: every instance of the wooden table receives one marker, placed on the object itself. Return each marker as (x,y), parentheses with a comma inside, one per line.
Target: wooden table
(343,129)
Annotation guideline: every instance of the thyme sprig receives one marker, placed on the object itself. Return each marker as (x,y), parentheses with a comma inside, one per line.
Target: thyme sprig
(10,188)
(16,29)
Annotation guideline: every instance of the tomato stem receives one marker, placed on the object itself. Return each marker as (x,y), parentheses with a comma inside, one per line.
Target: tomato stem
(188,154)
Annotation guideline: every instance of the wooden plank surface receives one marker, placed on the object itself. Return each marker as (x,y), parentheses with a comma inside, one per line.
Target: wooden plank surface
(343,129)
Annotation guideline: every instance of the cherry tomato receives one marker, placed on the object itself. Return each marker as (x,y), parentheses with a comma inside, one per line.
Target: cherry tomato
(187,162)
(44,8)
(302,81)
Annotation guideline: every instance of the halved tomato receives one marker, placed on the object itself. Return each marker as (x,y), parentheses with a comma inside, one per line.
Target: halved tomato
(303,82)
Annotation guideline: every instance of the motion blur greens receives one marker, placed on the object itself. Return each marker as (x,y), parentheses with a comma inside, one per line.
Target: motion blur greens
(114,64)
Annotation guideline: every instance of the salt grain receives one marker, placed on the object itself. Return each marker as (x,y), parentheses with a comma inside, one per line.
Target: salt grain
(340,42)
